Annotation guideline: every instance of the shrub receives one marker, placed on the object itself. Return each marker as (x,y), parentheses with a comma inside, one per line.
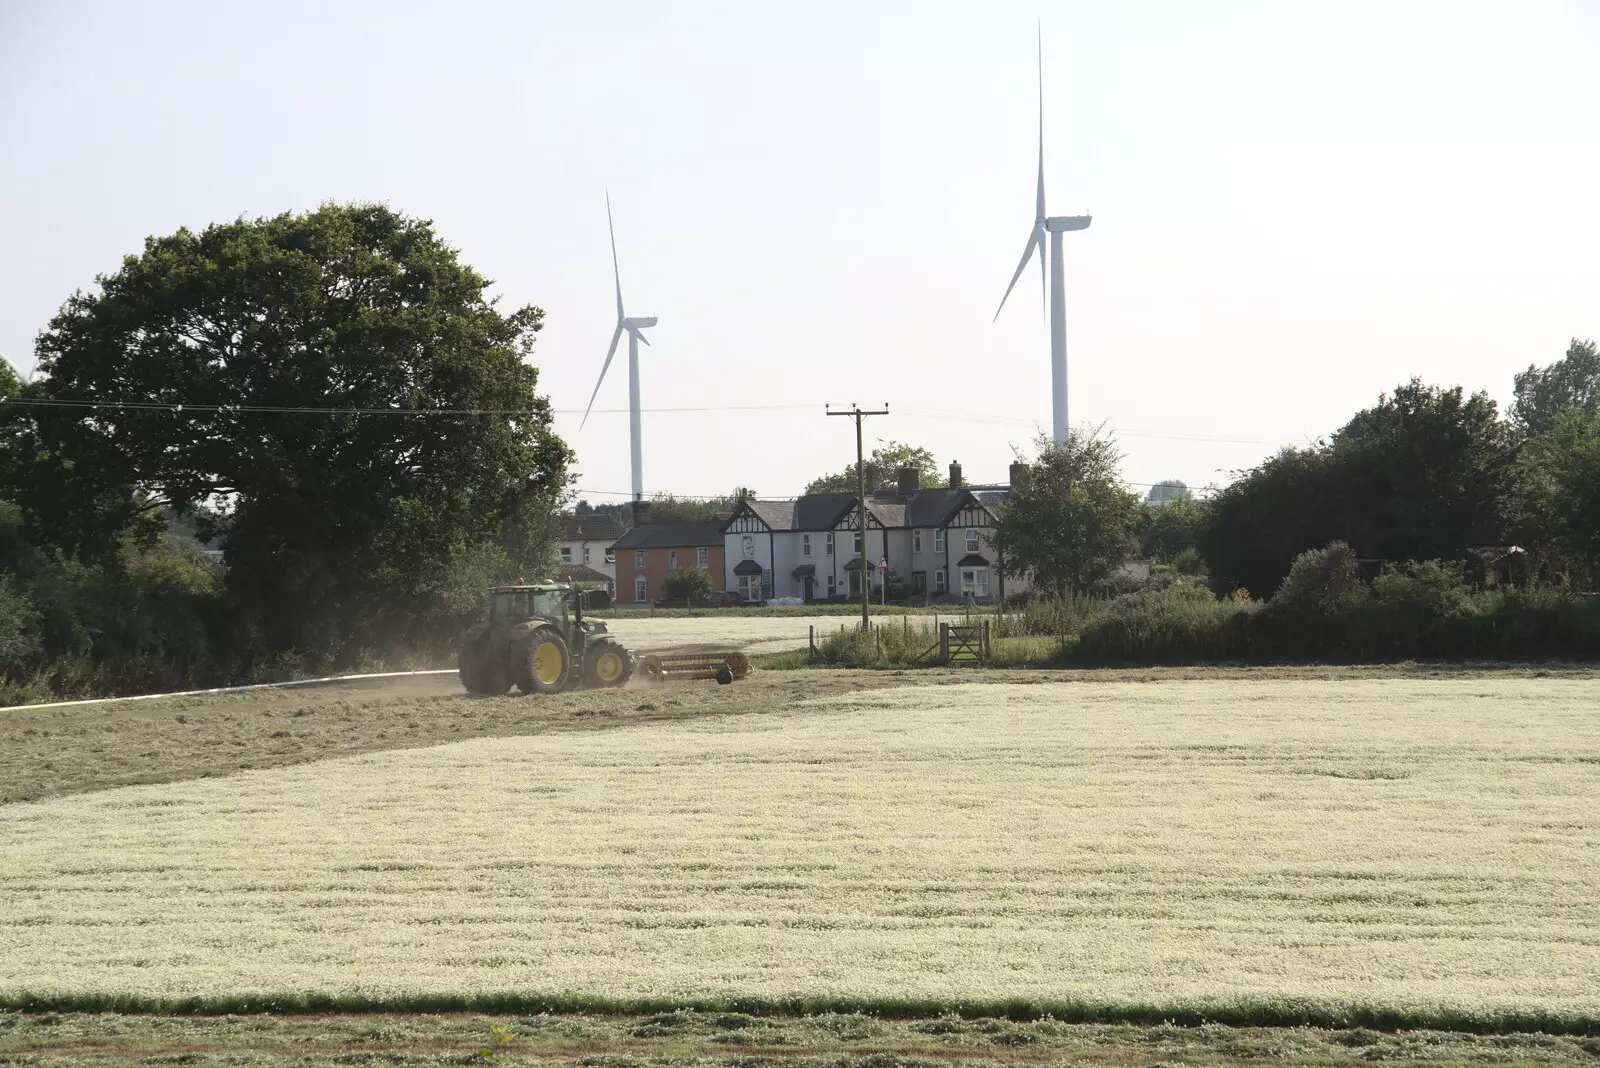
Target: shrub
(691,584)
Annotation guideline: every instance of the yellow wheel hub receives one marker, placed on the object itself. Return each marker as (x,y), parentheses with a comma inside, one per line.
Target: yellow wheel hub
(608,667)
(547,664)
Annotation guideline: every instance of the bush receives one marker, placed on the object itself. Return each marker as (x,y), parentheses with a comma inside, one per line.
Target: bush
(691,584)
(1180,621)
(898,644)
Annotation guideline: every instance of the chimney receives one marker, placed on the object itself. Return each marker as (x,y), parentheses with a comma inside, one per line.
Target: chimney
(641,513)
(955,474)
(1019,475)
(871,471)
(909,480)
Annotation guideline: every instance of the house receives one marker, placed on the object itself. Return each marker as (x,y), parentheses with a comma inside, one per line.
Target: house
(933,542)
(586,549)
(649,552)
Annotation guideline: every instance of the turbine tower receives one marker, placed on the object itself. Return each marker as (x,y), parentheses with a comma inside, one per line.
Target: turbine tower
(634,327)
(1055,227)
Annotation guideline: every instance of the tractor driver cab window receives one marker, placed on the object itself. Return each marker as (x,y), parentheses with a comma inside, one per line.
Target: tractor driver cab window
(550,604)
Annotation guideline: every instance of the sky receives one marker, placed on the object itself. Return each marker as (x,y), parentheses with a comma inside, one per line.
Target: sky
(1296,206)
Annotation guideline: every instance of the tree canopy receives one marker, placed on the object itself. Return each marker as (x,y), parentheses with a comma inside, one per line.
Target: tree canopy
(1070,522)
(1572,383)
(338,384)
(886,460)
(1426,473)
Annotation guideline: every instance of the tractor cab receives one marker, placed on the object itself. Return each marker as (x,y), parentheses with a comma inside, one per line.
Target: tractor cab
(513,604)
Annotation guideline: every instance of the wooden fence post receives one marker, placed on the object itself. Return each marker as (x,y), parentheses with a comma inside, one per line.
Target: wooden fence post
(944,643)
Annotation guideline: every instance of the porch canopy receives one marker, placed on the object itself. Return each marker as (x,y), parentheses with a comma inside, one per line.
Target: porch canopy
(855,565)
(747,567)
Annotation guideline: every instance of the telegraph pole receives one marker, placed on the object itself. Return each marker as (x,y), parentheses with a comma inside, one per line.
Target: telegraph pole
(858,414)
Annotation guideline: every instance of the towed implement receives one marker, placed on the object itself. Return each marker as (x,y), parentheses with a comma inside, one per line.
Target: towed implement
(536,638)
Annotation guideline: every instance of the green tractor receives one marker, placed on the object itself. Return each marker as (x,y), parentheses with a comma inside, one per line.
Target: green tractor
(537,638)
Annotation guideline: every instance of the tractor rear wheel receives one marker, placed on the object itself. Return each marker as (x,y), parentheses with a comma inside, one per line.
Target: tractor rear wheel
(542,662)
(479,674)
(607,664)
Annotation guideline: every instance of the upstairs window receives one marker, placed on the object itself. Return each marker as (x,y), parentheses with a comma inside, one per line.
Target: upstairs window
(938,540)
(638,560)
(566,554)
(972,539)
(916,541)
(586,554)
(855,542)
(672,560)
(748,545)
(805,545)
(827,544)
(702,558)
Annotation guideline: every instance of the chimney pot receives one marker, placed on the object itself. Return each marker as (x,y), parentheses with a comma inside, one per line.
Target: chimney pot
(641,513)
(955,474)
(910,481)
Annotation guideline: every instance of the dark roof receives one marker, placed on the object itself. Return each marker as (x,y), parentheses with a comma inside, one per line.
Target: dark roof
(822,511)
(777,515)
(590,528)
(582,573)
(747,567)
(891,513)
(805,569)
(672,535)
(972,560)
(936,507)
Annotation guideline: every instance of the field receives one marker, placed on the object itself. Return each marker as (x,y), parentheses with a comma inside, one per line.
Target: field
(1248,849)
(755,634)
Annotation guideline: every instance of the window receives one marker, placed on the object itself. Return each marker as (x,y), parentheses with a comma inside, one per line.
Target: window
(975,582)
(916,541)
(586,554)
(972,539)
(983,582)
(638,560)
(805,545)
(566,554)
(702,558)
(748,544)
(855,542)
(611,556)
(938,540)
(938,580)
(827,550)
(750,587)
(639,594)
(672,560)
(832,584)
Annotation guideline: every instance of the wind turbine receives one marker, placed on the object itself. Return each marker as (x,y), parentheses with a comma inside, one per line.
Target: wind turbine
(1055,227)
(634,328)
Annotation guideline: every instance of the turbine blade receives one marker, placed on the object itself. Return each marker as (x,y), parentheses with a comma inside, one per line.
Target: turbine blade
(616,336)
(1044,295)
(618,273)
(636,332)
(1033,239)
(1041,132)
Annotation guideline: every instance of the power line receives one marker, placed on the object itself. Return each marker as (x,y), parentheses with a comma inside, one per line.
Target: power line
(174,406)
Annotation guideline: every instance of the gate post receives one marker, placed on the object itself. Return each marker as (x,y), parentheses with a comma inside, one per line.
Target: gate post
(944,643)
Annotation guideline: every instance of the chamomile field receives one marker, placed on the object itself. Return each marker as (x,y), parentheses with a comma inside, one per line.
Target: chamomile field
(1388,851)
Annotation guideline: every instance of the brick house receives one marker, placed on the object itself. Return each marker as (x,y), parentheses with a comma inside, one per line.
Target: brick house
(649,552)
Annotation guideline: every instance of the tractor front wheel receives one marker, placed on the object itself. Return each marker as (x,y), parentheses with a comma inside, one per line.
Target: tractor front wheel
(607,664)
(542,667)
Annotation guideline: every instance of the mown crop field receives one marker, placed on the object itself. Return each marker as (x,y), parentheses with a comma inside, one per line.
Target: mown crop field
(736,630)
(1380,850)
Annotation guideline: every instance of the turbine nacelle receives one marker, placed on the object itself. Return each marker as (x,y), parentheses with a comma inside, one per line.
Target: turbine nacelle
(1062,224)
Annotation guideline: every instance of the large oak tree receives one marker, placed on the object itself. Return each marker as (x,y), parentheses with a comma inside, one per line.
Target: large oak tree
(352,399)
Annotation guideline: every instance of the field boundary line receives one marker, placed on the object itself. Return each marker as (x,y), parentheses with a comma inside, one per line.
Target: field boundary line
(1239,1011)
(232,689)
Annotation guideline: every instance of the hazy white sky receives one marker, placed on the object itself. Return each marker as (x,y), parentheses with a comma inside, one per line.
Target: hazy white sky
(1296,205)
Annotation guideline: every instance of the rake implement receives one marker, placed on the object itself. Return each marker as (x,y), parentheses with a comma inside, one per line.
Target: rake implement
(725,667)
